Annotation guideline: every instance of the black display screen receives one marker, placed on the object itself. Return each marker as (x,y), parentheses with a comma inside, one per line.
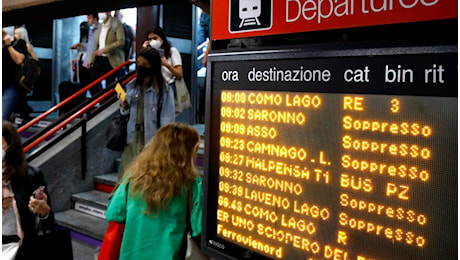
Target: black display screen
(332,155)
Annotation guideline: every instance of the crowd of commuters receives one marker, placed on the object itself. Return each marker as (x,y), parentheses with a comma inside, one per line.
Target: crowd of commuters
(159,194)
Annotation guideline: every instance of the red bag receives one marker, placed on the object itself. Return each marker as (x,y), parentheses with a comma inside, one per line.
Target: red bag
(111,244)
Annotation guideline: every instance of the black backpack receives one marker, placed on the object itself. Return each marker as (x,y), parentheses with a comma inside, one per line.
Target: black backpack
(28,73)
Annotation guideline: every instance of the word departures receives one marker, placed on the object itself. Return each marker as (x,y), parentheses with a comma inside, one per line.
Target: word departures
(328,176)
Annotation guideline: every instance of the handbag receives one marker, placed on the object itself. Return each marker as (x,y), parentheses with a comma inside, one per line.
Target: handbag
(193,251)
(116,132)
(182,97)
(113,237)
(10,250)
(111,244)
(56,244)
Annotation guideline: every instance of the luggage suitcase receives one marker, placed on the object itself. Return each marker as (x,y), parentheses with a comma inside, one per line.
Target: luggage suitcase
(68,88)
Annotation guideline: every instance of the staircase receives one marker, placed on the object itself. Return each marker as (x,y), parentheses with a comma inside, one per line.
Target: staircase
(86,219)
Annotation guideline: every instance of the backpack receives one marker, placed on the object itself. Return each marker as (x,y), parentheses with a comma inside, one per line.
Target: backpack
(129,34)
(127,31)
(28,73)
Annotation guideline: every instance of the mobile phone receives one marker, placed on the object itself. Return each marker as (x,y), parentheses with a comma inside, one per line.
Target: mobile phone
(38,193)
(162,53)
(119,89)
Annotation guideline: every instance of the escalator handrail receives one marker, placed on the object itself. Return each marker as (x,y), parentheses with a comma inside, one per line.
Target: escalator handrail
(70,98)
(74,116)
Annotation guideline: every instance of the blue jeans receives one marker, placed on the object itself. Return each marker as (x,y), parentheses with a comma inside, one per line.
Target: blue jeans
(10,97)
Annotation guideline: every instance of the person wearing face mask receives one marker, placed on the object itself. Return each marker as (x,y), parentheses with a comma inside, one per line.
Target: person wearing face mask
(19,181)
(109,52)
(171,60)
(149,103)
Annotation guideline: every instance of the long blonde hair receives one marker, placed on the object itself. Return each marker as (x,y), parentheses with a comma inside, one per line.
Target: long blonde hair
(165,166)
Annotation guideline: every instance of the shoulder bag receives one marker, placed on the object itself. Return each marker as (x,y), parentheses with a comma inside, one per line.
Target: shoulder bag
(182,97)
(116,132)
(193,251)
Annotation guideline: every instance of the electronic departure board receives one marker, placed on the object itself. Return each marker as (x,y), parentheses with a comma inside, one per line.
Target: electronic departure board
(332,155)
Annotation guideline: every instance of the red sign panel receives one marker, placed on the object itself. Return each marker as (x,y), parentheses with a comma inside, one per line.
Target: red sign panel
(248,18)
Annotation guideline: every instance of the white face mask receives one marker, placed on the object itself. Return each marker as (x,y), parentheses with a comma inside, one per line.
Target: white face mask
(103,16)
(156,44)
(3,154)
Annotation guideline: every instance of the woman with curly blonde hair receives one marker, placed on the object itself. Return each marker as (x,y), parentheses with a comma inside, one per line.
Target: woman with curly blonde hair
(153,198)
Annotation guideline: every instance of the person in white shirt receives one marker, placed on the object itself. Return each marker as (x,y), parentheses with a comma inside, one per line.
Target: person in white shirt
(171,60)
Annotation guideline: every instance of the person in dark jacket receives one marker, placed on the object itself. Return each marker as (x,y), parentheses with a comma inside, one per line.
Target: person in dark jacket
(13,56)
(21,180)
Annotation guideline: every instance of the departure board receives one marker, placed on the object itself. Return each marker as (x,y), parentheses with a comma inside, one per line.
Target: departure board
(332,155)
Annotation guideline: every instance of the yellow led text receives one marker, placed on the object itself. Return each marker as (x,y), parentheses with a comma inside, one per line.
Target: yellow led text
(401,171)
(342,237)
(234,159)
(231,174)
(297,224)
(249,130)
(249,241)
(284,169)
(267,198)
(314,211)
(392,234)
(241,222)
(286,237)
(277,150)
(303,101)
(400,190)
(225,202)
(353,103)
(233,189)
(355,183)
(335,253)
(273,183)
(403,150)
(275,116)
(260,213)
(233,97)
(404,128)
(265,99)
(379,209)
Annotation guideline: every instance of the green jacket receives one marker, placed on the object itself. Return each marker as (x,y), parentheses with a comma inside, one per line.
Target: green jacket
(160,237)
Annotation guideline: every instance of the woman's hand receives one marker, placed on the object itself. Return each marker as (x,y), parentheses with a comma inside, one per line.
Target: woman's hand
(6,40)
(123,103)
(145,44)
(39,206)
(76,45)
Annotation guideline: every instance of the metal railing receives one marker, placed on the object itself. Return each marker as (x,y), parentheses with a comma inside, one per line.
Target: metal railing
(70,98)
(74,116)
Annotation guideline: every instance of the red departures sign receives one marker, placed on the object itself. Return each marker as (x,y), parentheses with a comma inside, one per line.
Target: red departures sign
(248,18)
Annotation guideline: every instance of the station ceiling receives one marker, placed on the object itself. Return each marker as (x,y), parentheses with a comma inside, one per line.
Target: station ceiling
(17,12)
